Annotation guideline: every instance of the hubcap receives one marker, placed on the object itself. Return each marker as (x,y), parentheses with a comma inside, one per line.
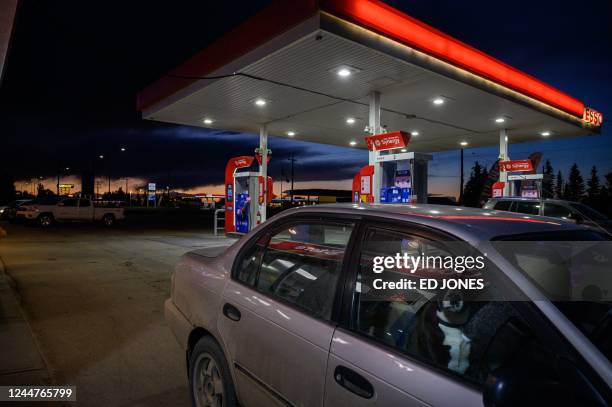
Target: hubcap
(45,221)
(207,382)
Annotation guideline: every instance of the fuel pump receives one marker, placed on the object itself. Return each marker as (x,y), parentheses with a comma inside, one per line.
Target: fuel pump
(362,185)
(244,195)
(246,206)
(401,174)
(523,180)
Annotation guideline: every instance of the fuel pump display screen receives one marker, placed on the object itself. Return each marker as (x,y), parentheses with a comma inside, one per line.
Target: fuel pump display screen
(402,179)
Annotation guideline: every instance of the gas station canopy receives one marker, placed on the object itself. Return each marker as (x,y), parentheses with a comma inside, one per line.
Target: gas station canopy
(306,69)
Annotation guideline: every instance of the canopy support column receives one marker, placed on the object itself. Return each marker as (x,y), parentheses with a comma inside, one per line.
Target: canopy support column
(503,156)
(263,168)
(374,127)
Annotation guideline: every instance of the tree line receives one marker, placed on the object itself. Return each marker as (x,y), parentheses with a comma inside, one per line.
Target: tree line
(595,192)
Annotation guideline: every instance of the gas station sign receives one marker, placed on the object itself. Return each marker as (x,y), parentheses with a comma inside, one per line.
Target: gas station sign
(592,117)
(516,165)
(387,141)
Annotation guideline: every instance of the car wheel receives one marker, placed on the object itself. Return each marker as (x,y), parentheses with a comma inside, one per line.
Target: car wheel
(210,380)
(108,220)
(45,220)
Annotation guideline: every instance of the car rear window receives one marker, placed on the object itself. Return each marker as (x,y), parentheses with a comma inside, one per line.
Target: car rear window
(556,211)
(571,268)
(502,205)
(528,207)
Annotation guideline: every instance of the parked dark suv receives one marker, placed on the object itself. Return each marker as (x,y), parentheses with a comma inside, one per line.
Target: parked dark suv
(554,208)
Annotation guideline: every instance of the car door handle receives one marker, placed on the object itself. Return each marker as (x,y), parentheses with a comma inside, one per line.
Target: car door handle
(231,312)
(353,382)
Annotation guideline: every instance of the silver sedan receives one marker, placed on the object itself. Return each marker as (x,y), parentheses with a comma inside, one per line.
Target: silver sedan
(295,313)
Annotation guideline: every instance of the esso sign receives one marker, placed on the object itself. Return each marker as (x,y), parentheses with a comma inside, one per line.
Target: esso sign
(592,117)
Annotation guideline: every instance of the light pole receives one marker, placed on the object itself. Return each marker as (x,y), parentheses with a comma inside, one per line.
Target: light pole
(293,160)
(461,180)
(123,150)
(108,168)
(101,157)
(127,192)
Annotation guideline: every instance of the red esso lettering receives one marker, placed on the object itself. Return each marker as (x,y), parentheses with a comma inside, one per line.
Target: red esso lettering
(593,117)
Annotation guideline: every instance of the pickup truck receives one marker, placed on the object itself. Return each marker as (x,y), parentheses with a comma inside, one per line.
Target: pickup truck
(68,210)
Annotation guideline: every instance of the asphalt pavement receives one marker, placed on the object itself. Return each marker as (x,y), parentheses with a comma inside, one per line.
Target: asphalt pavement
(89,306)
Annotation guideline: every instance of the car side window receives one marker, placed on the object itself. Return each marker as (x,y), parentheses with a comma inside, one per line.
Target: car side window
(248,264)
(528,207)
(556,211)
(84,203)
(502,205)
(448,329)
(300,264)
(69,202)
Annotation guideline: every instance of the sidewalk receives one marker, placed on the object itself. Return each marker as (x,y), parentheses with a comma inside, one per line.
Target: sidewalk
(20,359)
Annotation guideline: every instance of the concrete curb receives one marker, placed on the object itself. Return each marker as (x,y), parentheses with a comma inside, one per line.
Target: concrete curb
(9,280)
(25,364)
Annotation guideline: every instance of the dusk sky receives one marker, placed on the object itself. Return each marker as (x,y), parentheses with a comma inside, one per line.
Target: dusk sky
(72,75)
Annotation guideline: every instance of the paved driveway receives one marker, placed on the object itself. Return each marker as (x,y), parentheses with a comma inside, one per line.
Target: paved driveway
(94,299)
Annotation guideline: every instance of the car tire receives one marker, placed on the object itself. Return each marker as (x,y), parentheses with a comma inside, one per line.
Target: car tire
(108,220)
(210,380)
(45,220)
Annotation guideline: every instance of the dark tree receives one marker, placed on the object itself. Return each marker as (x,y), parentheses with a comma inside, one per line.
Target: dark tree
(559,185)
(575,184)
(7,188)
(593,186)
(474,185)
(604,198)
(41,192)
(548,181)
(566,192)
(608,177)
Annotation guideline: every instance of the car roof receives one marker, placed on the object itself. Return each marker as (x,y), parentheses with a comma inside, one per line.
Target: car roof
(520,198)
(471,224)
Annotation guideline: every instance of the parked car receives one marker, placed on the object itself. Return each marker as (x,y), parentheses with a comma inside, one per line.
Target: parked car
(47,211)
(8,211)
(555,208)
(284,316)
(442,200)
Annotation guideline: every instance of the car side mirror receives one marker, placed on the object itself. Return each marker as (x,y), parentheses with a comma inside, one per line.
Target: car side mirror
(521,387)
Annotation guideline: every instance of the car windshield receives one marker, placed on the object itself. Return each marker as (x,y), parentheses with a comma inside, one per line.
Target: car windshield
(573,270)
(589,212)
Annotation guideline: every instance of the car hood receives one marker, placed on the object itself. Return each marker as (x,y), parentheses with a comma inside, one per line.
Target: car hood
(211,251)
